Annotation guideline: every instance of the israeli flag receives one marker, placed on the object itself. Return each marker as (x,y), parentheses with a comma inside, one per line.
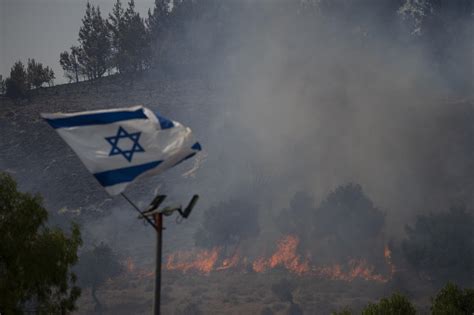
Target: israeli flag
(120,145)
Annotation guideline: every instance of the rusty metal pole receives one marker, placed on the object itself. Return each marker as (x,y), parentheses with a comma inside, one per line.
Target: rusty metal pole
(158,218)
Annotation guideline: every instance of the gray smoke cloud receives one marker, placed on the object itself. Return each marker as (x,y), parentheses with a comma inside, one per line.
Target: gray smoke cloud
(310,102)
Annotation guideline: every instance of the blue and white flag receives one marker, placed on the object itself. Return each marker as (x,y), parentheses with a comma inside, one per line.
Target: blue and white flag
(119,145)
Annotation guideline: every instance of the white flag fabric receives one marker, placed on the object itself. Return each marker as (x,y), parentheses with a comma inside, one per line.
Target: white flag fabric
(120,145)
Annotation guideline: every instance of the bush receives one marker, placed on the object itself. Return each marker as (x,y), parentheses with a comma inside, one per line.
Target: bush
(294,220)
(395,305)
(227,224)
(95,267)
(442,246)
(348,225)
(452,300)
(344,311)
(350,214)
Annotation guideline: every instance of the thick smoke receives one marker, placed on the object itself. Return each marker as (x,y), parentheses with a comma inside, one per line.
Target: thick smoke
(314,98)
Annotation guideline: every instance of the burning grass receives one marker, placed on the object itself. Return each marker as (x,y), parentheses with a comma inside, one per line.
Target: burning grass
(285,257)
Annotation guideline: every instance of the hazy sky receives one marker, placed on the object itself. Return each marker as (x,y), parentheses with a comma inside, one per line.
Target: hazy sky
(42,29)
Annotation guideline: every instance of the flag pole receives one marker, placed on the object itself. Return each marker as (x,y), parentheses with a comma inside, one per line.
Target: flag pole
(158,218)
(157,223)
(139,211)
(158,226)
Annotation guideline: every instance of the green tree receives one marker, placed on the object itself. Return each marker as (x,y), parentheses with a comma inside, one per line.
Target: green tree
(452,300)
(115,23)
(441,246)
(130,39)
(17,84)
(70,63)
(397,304)
(136,39)
(2,85)
(35,260)
(37,74)
(95,267)
(158,18)
(94,39)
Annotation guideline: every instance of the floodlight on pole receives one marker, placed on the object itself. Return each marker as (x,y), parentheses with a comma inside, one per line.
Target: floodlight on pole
(156,214)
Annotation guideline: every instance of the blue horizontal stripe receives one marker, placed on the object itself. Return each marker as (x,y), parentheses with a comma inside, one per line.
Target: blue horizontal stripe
(197,146)
(165,123)
(123,175)
(95,119)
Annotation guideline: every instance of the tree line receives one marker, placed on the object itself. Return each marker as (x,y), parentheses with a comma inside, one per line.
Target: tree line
(120,43)
(23,79)
(200,32)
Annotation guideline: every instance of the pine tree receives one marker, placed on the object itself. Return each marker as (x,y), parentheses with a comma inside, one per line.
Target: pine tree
(2,85)
(70,64)
(37,75)
(157,20)
(95,43)
(17,83)
(136,39)
(157,24)
(115,24)
(130,39)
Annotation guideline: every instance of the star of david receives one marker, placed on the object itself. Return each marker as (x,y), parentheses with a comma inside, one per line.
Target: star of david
(123,134)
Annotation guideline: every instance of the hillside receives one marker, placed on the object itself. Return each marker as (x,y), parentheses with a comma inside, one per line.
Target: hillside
(40,160)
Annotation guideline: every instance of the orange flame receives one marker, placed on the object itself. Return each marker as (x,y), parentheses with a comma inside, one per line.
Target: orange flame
(231,262)
(202,261)
(285,256)
(387,253)
(129,264)
(141,273)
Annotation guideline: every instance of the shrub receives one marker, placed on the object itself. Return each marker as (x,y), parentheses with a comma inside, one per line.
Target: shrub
(350,225)
(452,300)
(228,224)
(344,311)
(442,245)
(95,267)
(397,304)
